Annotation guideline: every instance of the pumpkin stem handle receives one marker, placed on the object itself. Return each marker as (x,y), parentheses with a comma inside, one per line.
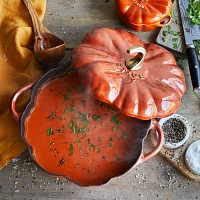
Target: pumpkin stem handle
(135,63)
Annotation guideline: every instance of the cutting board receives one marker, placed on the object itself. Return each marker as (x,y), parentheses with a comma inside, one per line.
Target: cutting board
(176,156)
(173,43)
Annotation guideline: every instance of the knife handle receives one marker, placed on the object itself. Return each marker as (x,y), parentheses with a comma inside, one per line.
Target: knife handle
(194,67)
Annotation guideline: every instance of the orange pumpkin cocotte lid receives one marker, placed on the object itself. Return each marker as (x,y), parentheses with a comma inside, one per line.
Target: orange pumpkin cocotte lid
(141,80)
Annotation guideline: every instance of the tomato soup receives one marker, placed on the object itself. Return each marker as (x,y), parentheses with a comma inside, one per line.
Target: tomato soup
(74,135)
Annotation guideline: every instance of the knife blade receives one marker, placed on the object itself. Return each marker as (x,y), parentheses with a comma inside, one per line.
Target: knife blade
(191,32)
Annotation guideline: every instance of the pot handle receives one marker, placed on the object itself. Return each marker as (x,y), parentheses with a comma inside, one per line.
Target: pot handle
(14,113)
(158,130)
(167,23)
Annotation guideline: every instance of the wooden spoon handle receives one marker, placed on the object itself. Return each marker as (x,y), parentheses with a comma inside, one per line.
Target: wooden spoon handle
(37,25)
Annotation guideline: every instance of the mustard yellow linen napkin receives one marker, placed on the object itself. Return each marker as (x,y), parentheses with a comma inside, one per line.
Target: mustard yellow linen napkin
(18,67)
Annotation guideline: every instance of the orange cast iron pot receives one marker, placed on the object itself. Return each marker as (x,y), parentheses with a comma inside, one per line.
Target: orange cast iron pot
(71,134)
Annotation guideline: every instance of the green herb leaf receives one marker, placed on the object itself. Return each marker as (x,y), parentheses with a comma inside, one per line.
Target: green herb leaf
(169,28)
(123,136)
(181,66)
(70,108)
(171,12)
(164,39)
(92,147)
(197,46)
(114,128)
(71,149)
(73,127)
(89,142)
(99,139)
(97,117)
(101,103)
(80,88)
(67,97)
(193,11)
(175,45)
(49,131)
(175,33)
(99,148)
(180,60)
(66,110)
(174,39)
(165,33)
(83,116)
(110,144)
(115,119)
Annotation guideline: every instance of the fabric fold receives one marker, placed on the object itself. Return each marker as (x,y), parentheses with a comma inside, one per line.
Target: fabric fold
(18,67)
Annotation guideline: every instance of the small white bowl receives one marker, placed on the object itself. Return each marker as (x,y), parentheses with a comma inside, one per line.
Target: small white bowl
(192,157)
(187,126)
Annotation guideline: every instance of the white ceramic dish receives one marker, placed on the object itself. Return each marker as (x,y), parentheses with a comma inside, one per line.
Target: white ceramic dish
(188,130)
(192,157)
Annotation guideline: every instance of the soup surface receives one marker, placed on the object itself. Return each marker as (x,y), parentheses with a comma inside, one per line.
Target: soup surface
(74,135)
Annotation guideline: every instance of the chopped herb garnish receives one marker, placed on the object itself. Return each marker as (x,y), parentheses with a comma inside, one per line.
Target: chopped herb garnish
(172,13)
(92,147)
(80,88)
(83,116)
(101,104)
(99,139)
(175,33)
(175,45)
(67,97)
(193,11)
(77,141)
(123,136)
(110,139)
(71,149)
(97,117)
(110,144)
(99,148)
(66,111)
(197,46)
(71,108)
(73,126)
(165,33)
(164,39)
(114,128)
(89,142)
(49,131)
(174,39)
(51,142)
(168,31)
(115,119)
(181,66)
(169,28)
(180,59)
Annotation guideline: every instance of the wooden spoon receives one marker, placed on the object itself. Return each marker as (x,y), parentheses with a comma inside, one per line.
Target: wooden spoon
(48,49)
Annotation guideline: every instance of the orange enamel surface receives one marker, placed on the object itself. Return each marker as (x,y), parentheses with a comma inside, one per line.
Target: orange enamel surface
(74,135)
(154,91)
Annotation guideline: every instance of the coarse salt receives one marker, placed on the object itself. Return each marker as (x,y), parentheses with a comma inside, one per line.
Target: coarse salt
(192,157)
